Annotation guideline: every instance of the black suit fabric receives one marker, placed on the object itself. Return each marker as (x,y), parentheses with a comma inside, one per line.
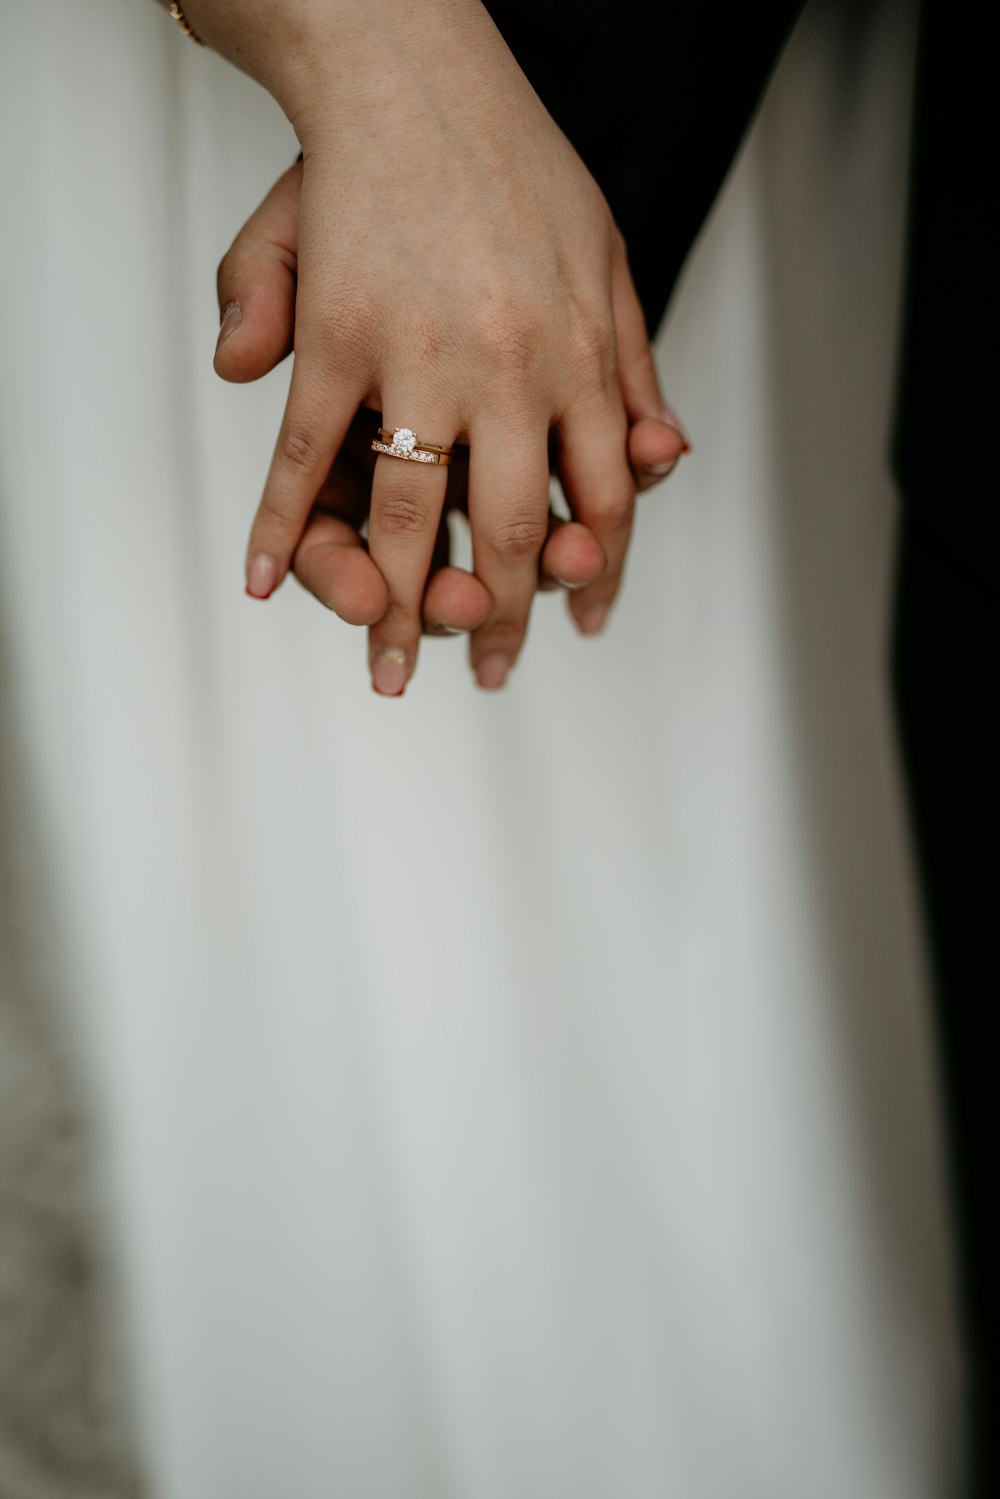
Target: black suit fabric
(656,100)
(947,643)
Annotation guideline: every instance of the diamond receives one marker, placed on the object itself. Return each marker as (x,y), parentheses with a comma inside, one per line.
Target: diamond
(403,441)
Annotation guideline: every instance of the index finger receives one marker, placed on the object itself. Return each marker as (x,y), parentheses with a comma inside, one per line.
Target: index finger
(322,400)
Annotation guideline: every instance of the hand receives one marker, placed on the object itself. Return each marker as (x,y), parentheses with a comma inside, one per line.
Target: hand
(256,286)
(459,271)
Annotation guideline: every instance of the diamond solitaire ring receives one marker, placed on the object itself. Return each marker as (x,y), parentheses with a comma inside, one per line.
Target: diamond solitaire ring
(402,443)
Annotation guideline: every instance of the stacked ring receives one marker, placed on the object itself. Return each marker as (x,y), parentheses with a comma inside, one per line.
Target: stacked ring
(402,443)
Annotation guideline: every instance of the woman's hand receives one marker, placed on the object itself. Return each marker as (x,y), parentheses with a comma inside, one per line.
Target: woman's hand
(459,272)
(256,287)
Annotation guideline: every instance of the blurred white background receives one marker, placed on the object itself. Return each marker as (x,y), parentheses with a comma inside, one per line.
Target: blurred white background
(515,1097)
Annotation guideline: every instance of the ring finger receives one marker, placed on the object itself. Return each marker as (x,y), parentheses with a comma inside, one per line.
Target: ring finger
(407,498)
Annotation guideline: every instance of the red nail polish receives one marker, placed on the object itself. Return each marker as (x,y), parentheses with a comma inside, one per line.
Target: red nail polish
(686,448)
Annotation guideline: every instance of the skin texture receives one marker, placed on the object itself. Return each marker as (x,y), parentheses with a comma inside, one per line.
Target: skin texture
(458,272)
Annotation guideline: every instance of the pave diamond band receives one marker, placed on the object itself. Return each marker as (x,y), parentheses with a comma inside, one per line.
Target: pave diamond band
(418,455)
(401,442)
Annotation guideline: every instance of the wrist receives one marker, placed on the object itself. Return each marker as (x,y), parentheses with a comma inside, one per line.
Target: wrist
(346,58)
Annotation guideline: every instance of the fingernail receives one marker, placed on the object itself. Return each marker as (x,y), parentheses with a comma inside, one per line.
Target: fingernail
(232,317)
(686,448)
(439,629)
(592,620)
(492,671)
(565,583)
(660,470)
(389,672)
(262,575)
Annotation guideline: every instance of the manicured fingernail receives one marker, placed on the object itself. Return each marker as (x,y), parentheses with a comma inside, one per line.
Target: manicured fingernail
(389,672)
(262,575)
(592,620)
(492,671)
(661,470)
(436,628)
(232,317)
(565,583)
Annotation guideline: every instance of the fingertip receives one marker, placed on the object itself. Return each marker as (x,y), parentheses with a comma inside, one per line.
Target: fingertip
(455,603)
(589,609)
(573,557)
(593,619)
(653,442)
(391,670)
(654,447)
(334,567)
(358,593)
(262,575)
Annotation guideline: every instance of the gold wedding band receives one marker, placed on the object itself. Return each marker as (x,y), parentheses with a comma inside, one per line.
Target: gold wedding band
(401,442)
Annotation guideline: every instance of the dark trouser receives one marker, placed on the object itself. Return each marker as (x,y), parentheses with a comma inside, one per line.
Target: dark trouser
(656,99)
(947,646)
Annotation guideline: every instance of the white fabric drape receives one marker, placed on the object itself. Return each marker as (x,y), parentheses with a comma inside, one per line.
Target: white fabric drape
(513,1097)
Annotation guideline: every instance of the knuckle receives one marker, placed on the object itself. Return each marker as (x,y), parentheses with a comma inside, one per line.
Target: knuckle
(431,343)
(517,537)
(592,346)
(300,451)
(512,336)
(339,336)
(340,310)
(618,507)
(402,515)
(348,321)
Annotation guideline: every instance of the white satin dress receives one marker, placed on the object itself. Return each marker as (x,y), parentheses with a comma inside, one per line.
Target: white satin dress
(516,1096)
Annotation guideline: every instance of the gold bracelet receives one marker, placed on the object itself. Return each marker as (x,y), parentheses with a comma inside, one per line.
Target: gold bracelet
(185,24)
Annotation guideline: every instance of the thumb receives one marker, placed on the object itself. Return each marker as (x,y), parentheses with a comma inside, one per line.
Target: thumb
(256,285)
